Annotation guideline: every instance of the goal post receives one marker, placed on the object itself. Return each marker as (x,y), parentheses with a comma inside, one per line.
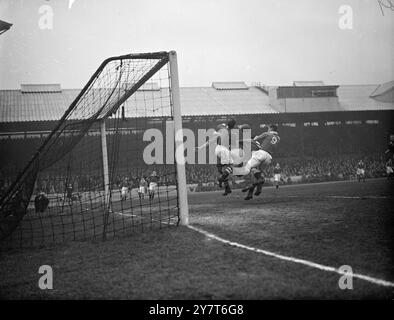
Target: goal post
(104,154)
(91,167)
(179,149)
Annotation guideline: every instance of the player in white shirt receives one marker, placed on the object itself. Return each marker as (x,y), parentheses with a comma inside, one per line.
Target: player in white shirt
(152,185)
(125,185)
(277,175)
(142,188)
(360,171)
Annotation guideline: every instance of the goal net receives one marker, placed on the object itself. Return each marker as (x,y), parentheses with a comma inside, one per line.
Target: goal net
(90,177)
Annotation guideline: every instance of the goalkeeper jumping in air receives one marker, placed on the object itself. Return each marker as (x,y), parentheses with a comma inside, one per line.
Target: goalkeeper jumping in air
(225,158)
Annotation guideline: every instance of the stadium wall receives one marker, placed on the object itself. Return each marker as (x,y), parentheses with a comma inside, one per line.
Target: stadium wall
(303,134)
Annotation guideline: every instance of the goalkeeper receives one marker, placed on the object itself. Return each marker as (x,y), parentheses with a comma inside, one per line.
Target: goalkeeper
(226,157)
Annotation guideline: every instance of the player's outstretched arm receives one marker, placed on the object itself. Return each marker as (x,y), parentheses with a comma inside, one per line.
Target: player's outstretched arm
(264,134)
(212,140)
(203,145)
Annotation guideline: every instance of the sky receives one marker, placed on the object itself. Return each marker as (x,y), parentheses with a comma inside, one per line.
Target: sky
(273,42)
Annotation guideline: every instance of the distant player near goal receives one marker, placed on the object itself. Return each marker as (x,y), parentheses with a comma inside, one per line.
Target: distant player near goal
(152,185)
(41,202)
(69,193)
(71,196)
(125,187)
(360,171)
(142,188)
(277,175)
(389,156)
(389,169)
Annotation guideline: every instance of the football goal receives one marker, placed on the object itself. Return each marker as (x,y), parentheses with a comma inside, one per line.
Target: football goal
(89,179)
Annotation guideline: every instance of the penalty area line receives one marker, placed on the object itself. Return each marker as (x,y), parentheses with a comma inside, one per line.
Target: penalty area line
(357,197)
(294,260)
(124,214)
(337,197)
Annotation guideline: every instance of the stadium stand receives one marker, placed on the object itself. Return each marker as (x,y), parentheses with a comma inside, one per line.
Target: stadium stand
(324,129)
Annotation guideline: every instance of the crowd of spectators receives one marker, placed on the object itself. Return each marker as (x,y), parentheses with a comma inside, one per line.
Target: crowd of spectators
(332,168)
(303,170)
(293,170)
(84,180)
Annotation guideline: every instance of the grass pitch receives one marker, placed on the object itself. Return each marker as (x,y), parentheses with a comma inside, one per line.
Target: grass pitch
(335,224)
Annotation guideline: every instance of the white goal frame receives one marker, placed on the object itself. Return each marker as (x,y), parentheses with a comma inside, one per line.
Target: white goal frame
(179,147)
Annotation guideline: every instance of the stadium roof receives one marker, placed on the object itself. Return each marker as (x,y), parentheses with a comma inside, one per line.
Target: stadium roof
(49,102)
(150,86)
(349,98)
(308,83)
(36,105)
(230,85)
(36,88)
(382,88)
(357,98)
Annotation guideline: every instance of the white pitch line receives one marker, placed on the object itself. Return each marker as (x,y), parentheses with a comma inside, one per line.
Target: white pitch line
(124,214)
(295,260)
(165,222)
(357,197)
(338,197)
(146,217)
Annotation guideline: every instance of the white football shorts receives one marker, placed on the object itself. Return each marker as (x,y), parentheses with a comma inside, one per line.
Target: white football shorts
(223,154)
(152,186)
(124,191)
